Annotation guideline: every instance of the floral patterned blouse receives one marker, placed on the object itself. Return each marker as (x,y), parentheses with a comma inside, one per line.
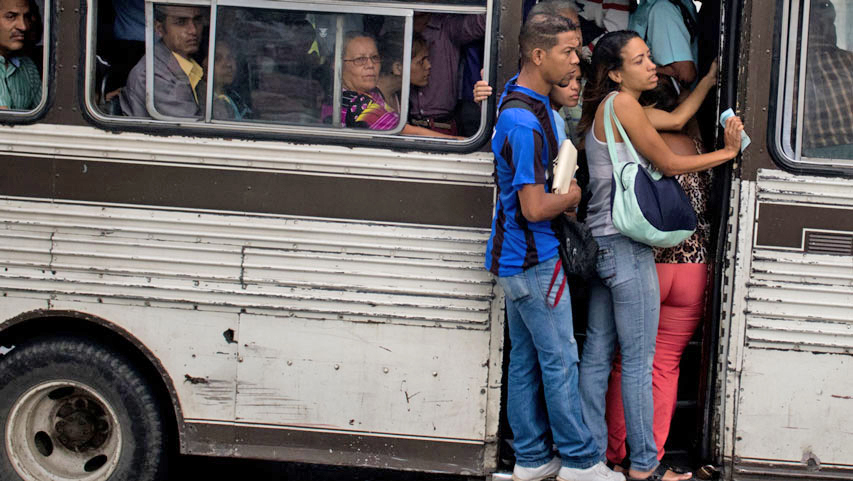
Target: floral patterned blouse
(367,111)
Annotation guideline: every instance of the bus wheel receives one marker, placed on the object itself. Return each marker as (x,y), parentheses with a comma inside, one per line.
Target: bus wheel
(74,410)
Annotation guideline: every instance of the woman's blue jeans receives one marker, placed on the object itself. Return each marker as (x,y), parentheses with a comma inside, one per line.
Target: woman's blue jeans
(544,354)
(624,306)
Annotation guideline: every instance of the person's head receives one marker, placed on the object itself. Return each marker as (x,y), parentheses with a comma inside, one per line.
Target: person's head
(391,51)
(621,61)
(180,27)
(563,8)
(664,96)
(362,62)
(15,20)
(549,44)
(420,21)
(569,95)
(822,22)
(224,65)
(421,66)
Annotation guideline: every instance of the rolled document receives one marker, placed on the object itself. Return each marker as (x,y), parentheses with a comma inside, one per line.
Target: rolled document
(567,164)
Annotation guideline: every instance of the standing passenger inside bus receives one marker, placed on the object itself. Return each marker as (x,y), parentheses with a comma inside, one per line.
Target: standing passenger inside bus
(21,88)
(624,301)
(434,106)
(669,27)
(391,72)
(178,78)
(522,253)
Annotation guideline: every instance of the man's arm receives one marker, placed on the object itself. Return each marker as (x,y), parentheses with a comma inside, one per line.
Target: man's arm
(669,41)
(464,29)
(538,205)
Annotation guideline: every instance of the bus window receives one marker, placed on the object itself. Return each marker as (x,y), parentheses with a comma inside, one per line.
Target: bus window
(275,66)
(22,57)
(815,113)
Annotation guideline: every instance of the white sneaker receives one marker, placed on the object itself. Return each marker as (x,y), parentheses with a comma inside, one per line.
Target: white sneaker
(547,470)
(599,472)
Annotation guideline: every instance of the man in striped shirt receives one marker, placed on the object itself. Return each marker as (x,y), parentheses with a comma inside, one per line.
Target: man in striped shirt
(20,88)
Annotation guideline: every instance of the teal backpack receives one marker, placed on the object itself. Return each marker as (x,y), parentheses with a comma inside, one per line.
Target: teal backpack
(645,205)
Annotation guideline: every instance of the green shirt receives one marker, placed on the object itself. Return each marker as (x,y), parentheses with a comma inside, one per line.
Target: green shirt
(20,83)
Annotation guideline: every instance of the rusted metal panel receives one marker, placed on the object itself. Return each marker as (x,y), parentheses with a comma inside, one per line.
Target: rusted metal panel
(755,69)
(360,449)
(365,377)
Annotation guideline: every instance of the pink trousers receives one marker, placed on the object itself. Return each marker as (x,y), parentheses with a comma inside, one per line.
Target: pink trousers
(682,299)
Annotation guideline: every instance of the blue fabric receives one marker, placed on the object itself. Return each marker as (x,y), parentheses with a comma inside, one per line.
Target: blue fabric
(129,22)
(516,244)
(663,202)
(660,23)
(559,126)
(624,306)
(544,354)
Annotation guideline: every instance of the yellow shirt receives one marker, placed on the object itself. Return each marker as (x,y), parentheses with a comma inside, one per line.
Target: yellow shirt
(193,70)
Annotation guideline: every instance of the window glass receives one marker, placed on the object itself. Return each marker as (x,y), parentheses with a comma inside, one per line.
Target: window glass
(387,71)
(816,96)
(828,102)
(22,26)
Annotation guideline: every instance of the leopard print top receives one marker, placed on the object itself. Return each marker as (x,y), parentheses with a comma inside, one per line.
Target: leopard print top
(694,250)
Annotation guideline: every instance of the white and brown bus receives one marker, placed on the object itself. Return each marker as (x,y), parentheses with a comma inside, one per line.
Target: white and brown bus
(285,287)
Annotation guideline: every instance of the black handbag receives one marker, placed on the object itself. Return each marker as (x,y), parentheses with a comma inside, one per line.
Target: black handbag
(578,248)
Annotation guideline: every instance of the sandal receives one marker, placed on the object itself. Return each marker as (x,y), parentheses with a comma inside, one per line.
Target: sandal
(657,474)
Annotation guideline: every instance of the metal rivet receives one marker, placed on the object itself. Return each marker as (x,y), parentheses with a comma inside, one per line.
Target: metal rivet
(434,374)
(289,363)
(337,367)
(385,370)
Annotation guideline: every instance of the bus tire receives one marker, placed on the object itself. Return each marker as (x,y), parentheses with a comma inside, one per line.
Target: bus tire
(71,409)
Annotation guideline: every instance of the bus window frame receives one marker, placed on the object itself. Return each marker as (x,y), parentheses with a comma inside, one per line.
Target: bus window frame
(36,113)
(295,133)
(787,154)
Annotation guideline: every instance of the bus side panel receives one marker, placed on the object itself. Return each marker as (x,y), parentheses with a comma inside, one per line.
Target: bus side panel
(788,391)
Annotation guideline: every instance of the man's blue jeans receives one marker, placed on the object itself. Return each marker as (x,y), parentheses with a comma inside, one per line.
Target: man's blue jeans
(624,306)
(544,353)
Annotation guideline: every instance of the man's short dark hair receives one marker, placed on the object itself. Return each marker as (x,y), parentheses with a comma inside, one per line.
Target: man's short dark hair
(540,31)
(160,13)
(554,7)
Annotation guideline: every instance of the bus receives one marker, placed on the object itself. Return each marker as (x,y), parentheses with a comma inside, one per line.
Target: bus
(280,285)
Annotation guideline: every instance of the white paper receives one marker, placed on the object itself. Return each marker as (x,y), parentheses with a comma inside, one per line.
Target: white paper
(567,164)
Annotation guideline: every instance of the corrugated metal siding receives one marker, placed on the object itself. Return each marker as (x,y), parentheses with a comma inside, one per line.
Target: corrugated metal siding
(345,270)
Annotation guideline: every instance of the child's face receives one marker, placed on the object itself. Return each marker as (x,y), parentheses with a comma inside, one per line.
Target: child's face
(567,96)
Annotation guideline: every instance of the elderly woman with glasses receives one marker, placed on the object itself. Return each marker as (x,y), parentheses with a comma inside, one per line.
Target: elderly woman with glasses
(362,103)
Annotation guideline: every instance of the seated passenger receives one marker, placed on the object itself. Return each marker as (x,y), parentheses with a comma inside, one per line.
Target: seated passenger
(391,72)
(362,103)
(178,79)
(227,103)
(828,126)
(21,89)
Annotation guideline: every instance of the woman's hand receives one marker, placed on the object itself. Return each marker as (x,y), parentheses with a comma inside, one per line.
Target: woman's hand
(710,78)
(734,126)
(482,91)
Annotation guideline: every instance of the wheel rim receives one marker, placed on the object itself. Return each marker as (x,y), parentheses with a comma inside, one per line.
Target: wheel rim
(63,431)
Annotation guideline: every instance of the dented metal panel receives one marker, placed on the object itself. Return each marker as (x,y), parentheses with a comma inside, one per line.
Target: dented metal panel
(788,389)
(279,321)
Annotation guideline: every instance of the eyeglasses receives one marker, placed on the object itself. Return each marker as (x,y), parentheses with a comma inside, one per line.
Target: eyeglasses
(360,61)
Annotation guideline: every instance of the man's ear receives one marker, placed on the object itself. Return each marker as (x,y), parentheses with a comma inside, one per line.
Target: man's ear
(615,76)
(158,29)
(397,68)
(537,56)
